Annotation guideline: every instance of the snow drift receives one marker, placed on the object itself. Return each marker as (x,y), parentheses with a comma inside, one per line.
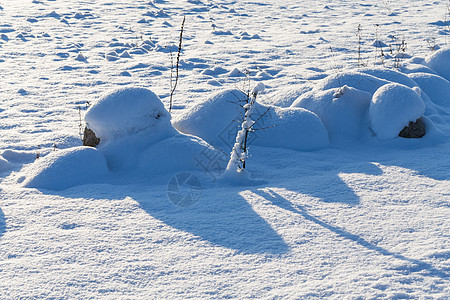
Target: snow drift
(135,135)
(342,110)
(65,168)
(216,121)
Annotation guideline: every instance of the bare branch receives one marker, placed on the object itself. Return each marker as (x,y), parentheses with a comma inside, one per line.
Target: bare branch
(177,66)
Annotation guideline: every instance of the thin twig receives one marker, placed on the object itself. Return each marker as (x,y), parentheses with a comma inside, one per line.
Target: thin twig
(177,66)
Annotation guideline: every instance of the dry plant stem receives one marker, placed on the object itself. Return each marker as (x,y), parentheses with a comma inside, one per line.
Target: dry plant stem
(80,124)
(172,88)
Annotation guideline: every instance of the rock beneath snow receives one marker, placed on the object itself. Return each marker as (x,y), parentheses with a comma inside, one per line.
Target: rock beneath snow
(393,106)
(89,138)
(439,61)
(66,168)
(129,111)
(413,130)
(342,110)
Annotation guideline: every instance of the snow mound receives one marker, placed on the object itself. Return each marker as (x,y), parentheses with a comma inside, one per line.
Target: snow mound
(175,154)
(390,75)
(285,96)
(436,87)
(211,118)
(409,68)
(357,80)
(393,106)
(129,111)
(439,61)
(217,120)
(66,168)
(343,110)
(294,128)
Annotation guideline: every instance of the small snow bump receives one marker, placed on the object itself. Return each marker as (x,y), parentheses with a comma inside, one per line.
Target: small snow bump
(143,20)
(53,14)
(236,73)
(125,54)
(378,43)
(23,92)
(125,73)
(214,82)
(80,57)
(78,16)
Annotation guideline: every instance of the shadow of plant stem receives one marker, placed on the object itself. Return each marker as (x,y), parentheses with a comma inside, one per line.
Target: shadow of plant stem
(283,203)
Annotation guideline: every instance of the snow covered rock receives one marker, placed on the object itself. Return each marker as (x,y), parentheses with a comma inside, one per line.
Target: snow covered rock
(343,110)
(414,130)
(393,106)
(129,111)
(439,61)
(217,120)
(66,168)
(89,138)
(436,87)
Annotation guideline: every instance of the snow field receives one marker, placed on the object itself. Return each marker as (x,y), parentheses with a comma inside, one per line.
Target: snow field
(338,213)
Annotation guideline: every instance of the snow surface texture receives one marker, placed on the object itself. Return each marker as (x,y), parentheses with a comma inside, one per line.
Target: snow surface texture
(365,219)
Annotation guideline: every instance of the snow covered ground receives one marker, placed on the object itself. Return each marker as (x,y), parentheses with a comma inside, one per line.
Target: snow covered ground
(346,210)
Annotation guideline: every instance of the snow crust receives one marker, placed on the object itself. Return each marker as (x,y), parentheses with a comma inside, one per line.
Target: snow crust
(393,106)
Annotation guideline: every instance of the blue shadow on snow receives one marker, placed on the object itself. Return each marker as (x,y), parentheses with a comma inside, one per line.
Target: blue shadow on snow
(417,266)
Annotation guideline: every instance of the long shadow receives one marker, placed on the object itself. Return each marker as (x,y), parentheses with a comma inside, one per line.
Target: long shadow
(2,223)
(220,217)
(225,221)
(323,181)
(418,266)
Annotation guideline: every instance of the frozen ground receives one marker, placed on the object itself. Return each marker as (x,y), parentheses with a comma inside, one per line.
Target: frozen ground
(362,217)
